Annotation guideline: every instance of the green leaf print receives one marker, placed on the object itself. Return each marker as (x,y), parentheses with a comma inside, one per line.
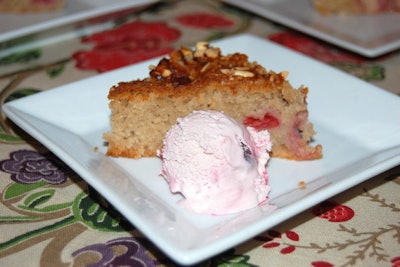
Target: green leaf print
(56,70)
(368,72)
(38,198)
(7,138)
(94,215)
(21,93)
(228,259)
(24,56)
(36,202)
(233,261)
(9,134)
(17,41)
(17,189)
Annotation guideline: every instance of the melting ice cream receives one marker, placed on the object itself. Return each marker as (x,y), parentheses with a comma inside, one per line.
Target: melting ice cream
(217,164)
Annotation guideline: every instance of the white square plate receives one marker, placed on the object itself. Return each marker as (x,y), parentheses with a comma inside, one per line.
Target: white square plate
(357,123)
(369,36)
(17,25)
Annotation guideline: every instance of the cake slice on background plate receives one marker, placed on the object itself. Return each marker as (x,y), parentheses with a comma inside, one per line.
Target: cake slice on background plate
(31,6)
(355,7)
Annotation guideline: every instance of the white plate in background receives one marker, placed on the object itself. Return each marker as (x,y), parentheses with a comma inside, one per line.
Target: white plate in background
(358,125)
(370,36)
(17,25)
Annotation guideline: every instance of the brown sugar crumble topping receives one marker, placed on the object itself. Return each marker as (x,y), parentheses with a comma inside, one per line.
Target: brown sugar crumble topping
(185,65)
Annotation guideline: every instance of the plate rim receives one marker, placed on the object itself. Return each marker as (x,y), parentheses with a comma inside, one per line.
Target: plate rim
(257,7)
(71,18)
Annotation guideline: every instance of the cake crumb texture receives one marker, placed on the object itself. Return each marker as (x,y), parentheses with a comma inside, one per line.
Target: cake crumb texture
(204,79)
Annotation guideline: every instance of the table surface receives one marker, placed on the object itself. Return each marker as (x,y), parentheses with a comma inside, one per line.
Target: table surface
(359,227)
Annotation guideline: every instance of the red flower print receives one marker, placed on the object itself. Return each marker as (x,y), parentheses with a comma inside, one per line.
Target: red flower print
(314,48)
(271,245)
(205,21)
(395,262)
(130,43)
(271,241)
(321,264)
(292,235)
(333,211)
(288,249)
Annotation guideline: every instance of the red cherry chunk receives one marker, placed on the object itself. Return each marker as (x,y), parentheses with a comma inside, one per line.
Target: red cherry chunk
(267,122)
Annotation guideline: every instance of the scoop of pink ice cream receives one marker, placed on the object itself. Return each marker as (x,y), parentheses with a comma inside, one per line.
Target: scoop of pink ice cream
(218,165)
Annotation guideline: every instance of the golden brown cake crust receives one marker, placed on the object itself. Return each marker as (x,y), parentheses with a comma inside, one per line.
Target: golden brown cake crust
(203,79)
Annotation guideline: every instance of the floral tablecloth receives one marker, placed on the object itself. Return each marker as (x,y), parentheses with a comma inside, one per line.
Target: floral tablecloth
(49,216)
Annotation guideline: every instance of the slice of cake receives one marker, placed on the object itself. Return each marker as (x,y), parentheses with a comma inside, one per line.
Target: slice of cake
(203,79)
(353,7)
(31,6)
